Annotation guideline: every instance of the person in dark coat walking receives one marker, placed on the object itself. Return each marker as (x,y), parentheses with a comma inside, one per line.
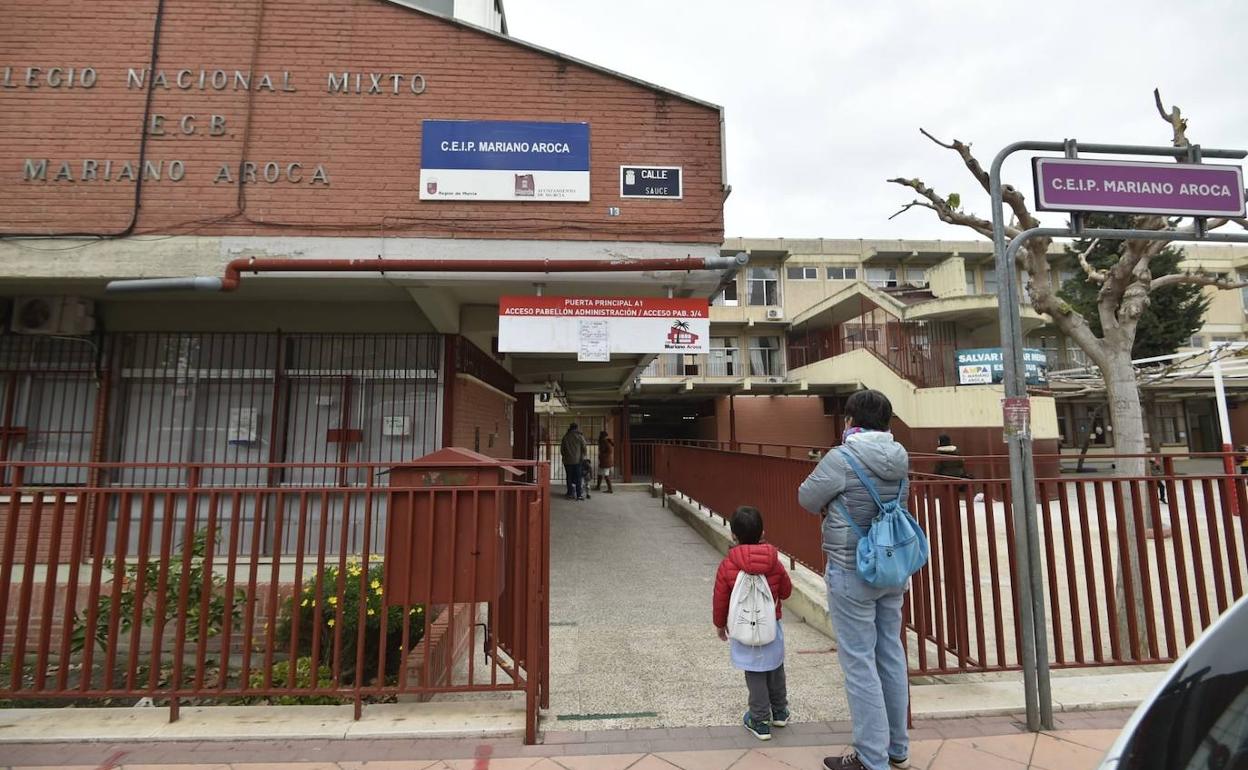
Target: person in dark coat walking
(573,451)
(606,461)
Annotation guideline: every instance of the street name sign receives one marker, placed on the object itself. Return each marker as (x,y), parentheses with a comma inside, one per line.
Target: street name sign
(1136,187)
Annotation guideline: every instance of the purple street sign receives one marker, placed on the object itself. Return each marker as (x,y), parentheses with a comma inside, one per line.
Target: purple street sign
(1132,187)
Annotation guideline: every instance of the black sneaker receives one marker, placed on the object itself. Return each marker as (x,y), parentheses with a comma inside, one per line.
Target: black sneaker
(779,717)
(849,761)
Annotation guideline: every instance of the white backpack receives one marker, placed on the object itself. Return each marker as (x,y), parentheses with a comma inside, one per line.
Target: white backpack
(752,611)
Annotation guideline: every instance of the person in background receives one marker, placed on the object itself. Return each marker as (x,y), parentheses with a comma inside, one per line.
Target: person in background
(950,462)
(573,450)
(606,461)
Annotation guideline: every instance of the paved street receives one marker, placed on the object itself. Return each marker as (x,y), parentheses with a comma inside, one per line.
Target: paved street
(986,743)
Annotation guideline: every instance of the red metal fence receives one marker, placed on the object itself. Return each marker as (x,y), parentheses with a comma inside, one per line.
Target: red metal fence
(1129,579)
(246,593)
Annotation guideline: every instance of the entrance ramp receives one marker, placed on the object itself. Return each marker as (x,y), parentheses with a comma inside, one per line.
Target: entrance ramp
(631,640)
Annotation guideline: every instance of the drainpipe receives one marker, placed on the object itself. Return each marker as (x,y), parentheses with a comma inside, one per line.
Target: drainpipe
(235,270)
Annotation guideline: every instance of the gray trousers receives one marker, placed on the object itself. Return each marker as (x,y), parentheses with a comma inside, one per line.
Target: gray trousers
(768,693)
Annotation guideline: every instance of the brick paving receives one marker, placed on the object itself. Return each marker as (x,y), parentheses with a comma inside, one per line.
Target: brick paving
(983,743)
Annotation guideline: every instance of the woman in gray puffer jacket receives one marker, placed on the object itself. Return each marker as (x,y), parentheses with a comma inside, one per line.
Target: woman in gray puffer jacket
(867,619)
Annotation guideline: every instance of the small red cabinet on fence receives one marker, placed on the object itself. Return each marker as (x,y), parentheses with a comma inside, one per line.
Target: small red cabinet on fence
(444,537)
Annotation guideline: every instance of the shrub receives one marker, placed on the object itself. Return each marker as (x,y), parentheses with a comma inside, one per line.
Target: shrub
(382,623)
(280,674)
(129,595)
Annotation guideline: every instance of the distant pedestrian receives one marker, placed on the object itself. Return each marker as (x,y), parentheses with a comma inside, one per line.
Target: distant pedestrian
(867,619)
(573,451)
(606,461)
(587,473)
(763,664)
(950,462)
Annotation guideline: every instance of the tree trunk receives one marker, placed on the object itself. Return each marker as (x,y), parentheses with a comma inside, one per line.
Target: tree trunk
(1127,419)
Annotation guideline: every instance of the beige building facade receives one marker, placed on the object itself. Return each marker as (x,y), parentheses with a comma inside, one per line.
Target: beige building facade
(819,318)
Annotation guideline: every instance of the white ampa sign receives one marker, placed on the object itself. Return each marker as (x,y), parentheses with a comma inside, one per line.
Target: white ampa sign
(595,327)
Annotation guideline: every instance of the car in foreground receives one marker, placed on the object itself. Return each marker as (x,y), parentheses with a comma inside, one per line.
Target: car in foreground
(1198,716)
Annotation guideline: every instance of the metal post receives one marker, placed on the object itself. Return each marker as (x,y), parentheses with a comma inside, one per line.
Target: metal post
(1021,471)
(1224,425)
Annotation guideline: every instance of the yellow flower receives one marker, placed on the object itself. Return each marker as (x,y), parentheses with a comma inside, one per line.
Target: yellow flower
(333,600)
(354,571)
(375,584)
(304,603)
(379,590)
(372,611)
(331,622)
(314,602)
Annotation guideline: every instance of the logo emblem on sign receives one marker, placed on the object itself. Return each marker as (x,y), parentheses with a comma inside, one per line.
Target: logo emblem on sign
(432,186)
(679,335)
(525,185)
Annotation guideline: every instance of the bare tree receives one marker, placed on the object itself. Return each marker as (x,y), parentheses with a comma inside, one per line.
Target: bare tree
(1123,296)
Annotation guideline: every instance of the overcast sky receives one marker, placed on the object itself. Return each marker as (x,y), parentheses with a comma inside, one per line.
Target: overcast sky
(824,98)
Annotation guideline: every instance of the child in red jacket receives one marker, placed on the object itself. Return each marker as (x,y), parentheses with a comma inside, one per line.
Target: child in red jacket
(764,665)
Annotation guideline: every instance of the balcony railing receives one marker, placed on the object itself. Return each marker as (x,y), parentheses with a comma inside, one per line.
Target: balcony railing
(713,365)
(921,352)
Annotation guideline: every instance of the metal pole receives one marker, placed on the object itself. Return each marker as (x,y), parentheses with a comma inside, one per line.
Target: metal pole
(1224,424)
(1019,442)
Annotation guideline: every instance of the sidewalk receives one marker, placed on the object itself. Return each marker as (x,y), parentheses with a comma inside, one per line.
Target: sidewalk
(985,743)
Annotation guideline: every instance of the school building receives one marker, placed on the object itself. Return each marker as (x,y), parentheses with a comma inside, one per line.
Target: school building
(809,321)
(320,132)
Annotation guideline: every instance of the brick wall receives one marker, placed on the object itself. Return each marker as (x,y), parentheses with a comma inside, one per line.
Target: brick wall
(482,420)
(49,518)
(369,144)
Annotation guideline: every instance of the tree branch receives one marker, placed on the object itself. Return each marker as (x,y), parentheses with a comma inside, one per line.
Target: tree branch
(1195,278)
(1099,276)
(970,161)
(1009,194)
(943,210)
(1175,118)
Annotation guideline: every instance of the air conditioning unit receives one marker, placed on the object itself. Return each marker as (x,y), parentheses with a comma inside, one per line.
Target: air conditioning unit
(69,316)
(774,314)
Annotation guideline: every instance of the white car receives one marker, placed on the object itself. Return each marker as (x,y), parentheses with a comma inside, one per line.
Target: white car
(1198,717)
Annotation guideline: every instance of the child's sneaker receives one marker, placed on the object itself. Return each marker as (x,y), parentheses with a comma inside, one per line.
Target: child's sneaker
(899,764)
(760,730)
(779,718)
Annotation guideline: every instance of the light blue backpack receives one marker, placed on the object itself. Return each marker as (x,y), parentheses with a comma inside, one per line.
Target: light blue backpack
(895,547)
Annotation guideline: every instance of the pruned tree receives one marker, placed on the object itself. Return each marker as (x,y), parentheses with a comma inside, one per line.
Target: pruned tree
(1125,285)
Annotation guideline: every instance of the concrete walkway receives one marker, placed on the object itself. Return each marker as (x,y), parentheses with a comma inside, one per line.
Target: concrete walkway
(992,743)
(632,643)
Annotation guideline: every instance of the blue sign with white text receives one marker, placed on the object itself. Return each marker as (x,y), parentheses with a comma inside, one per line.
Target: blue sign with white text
(504,160)
(504,145)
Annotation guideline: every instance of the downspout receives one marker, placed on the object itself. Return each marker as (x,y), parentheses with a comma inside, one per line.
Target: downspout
(235,270)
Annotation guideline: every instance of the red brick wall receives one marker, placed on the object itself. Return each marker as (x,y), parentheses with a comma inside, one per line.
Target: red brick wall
(47,520)
(480,412)
(369,144)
